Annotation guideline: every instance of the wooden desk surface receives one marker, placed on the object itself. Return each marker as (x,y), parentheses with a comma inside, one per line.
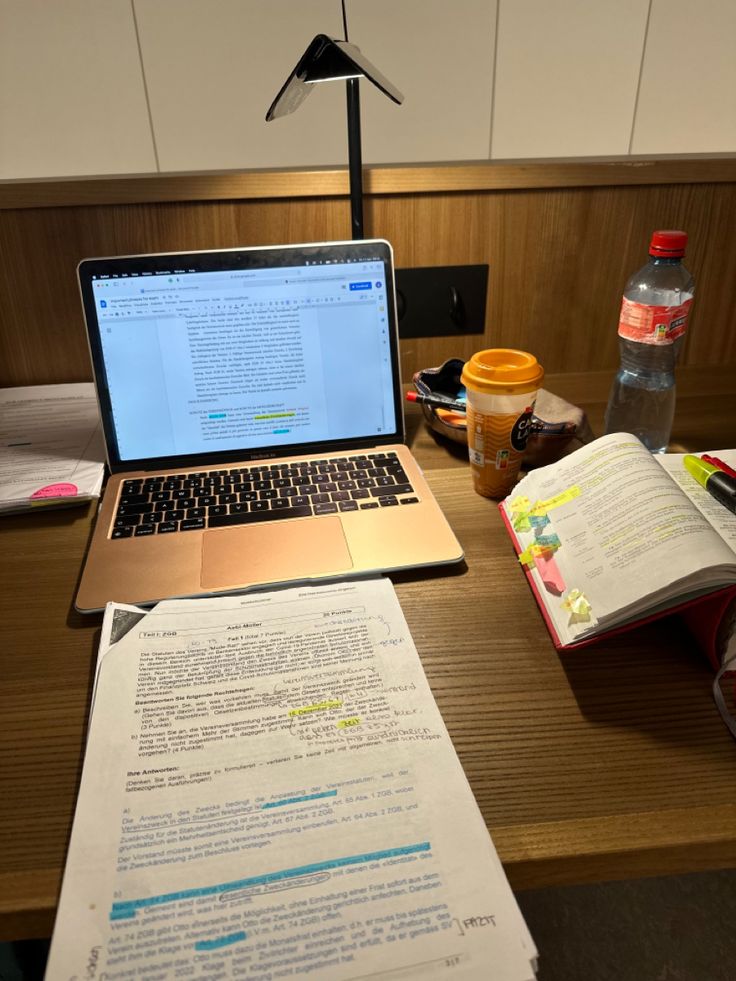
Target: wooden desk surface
(599,764)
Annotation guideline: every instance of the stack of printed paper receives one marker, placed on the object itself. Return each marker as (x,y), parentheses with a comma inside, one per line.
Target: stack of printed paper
(51,447)
(269,791)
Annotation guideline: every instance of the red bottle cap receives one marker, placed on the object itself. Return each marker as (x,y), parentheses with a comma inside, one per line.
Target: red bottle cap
(668,245)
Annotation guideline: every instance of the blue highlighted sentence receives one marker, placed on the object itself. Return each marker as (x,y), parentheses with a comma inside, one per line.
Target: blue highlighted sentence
(280,432)
(217,942)
(298,800)
(122,914)
(361,286)
(217,415)
(130,905)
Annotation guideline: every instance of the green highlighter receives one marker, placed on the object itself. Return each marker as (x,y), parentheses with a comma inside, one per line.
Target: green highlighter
(716,482)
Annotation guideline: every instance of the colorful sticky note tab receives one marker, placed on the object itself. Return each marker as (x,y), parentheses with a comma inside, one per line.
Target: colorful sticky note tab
(526,557)
(577,606)
(552,541)
(550,573)
(538,520)
(533,552)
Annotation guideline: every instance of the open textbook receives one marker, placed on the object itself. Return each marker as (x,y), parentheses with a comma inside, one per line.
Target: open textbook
(612,535)
(269,791)
(51,448)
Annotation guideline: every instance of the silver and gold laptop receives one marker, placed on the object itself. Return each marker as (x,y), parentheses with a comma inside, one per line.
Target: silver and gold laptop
(252,409)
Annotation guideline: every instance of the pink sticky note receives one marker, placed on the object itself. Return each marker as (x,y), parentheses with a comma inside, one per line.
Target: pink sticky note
(55,490)
(550,573)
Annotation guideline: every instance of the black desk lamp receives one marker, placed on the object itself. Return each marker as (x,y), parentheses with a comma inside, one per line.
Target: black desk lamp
(327,60)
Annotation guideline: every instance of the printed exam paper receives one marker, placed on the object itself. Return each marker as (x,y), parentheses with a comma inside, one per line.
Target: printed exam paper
(269,791)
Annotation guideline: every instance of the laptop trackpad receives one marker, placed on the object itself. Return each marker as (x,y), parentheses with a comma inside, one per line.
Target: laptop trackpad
(277,551)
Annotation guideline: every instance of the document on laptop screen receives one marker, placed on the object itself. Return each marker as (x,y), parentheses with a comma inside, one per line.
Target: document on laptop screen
(269,791)
(202,362)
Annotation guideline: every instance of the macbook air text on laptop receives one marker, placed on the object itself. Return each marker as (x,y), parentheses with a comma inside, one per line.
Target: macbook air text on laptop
(253,418)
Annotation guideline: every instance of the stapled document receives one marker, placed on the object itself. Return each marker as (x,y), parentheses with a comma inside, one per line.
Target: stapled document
(269,791)
(51,447)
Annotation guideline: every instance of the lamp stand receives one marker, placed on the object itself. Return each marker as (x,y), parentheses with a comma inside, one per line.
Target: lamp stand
(355,160)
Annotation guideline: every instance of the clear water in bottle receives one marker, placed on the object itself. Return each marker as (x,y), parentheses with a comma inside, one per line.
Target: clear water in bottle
(642,399)
(655,306)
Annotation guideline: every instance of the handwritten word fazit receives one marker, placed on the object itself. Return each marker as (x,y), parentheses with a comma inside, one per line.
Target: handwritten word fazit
(479,921)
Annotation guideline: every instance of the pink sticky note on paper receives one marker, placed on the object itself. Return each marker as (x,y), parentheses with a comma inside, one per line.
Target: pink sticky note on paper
(55,490)
(550,573)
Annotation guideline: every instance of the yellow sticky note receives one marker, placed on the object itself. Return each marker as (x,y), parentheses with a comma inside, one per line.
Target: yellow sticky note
(577,606)
(542,507)
(533,552)
(526,557)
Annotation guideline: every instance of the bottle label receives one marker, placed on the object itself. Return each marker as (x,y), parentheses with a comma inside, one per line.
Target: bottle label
(651,324)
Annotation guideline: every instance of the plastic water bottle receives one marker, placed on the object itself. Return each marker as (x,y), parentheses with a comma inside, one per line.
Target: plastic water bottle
(652,325)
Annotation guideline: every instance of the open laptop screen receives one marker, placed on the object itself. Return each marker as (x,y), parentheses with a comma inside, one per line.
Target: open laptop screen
(243,353)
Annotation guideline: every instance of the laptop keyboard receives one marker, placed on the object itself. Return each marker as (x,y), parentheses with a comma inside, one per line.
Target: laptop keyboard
(161,505)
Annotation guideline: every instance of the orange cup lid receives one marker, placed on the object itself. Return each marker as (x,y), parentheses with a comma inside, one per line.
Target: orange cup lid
(502,367)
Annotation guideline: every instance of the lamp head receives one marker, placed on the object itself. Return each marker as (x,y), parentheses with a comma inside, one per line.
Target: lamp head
(327,60)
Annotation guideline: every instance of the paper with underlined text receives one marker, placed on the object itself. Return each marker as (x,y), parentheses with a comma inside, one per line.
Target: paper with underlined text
(269,791)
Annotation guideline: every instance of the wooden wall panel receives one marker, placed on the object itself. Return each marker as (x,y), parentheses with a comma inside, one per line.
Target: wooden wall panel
(42,337)
(558,263)
(558,260)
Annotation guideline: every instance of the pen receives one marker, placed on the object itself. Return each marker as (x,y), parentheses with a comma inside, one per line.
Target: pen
(718,463)
(437,401)
(716,482)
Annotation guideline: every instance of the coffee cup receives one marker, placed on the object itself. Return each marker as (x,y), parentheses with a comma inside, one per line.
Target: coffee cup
(501,386)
